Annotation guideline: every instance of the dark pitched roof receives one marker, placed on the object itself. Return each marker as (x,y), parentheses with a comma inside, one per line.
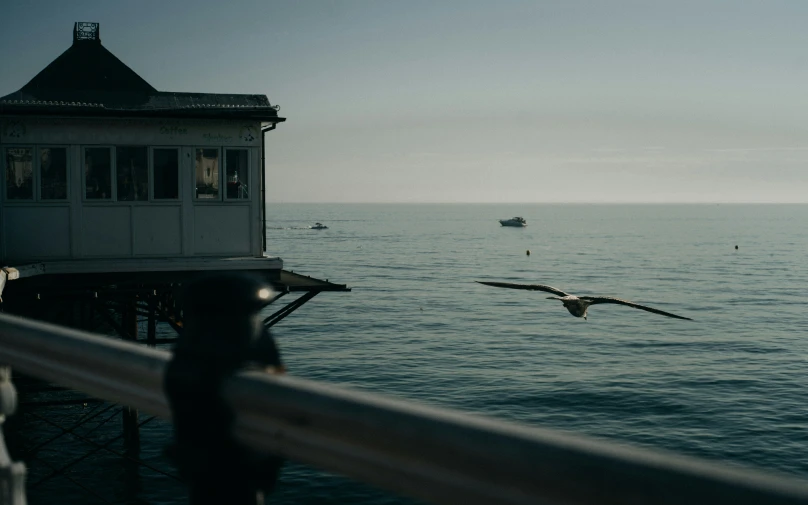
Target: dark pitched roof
(89,80)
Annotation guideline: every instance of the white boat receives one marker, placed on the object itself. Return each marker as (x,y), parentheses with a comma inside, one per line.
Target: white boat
(319,226)
(514,221)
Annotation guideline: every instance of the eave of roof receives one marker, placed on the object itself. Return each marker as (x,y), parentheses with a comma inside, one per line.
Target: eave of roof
(78,111)
(160,104)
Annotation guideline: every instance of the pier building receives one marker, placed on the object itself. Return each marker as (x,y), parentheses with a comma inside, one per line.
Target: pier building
(105,181)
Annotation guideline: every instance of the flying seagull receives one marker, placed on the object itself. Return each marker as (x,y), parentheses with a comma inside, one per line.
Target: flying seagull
(578,305)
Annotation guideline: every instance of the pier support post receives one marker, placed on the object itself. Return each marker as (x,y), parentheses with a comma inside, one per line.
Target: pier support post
(76,319)
(131,430)
(12,474)
(222,334)
(151,329)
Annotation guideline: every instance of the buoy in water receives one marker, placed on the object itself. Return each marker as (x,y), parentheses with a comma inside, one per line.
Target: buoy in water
(736,247)
(528,252)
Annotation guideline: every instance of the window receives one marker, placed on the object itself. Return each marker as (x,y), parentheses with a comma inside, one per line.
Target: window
(53,173)
(20,173)
(166,174)
(42,167)
(98,173)
(238,173)
(132,173)
(207,174)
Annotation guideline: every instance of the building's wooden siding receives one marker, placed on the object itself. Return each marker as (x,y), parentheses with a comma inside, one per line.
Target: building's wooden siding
(80,228)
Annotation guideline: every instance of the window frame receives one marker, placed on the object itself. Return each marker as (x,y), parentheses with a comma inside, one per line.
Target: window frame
(152,179)
(249,175)
(38,171)
(220,197)
(34,179)
(148,174)
(36,163)
(113,148)
(113,174)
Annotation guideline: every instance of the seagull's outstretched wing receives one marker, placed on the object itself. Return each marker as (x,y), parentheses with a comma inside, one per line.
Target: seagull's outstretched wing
(607,299)
(532,287)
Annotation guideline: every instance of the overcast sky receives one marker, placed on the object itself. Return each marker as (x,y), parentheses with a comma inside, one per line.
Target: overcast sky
(479,101)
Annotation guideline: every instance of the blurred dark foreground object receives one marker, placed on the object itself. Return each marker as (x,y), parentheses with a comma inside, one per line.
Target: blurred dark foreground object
(222,335)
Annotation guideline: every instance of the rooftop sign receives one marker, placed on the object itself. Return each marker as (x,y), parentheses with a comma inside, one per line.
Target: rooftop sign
(86,31)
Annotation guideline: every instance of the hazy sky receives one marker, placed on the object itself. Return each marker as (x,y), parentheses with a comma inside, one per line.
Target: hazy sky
(479,101)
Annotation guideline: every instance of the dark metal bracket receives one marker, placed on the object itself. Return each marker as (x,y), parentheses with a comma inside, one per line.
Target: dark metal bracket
(288,308)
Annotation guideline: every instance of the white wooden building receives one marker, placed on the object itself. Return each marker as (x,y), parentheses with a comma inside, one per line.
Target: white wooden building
(100,173)
(97,164)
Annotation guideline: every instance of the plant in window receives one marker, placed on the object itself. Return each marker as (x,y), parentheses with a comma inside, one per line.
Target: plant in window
(19,174)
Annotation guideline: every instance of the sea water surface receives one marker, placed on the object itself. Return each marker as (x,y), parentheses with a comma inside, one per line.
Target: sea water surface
(728,386)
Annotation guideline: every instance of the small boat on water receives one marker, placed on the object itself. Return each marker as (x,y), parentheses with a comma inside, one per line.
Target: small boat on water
(514,221)
(319,226)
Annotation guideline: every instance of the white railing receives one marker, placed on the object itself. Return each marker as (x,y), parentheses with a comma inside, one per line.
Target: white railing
(435,454)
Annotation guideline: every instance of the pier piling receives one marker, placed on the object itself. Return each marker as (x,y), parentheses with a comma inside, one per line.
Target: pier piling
(151,328)
(131,430)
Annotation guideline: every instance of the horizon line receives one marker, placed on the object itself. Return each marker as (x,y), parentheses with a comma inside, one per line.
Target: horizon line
(533,203)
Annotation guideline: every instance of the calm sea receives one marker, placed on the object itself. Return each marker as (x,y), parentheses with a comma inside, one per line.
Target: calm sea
(729,386)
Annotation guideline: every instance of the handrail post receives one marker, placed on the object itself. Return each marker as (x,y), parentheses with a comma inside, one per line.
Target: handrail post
(12,474)
(222,334)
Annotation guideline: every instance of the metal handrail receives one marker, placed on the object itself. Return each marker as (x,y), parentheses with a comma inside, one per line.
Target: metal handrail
(436,454)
